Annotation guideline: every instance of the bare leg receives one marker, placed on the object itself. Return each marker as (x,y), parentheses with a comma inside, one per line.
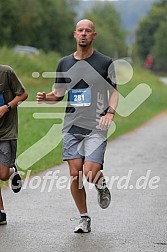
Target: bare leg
(1,201)
(5,172)
(94,175)
(77,189)
(92,172)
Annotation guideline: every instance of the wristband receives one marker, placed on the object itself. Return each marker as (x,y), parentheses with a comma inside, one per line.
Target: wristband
(111,110)
(8,106)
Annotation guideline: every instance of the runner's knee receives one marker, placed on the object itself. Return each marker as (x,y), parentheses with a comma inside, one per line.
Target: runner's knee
(4,176)
(74,172)
(92,172)
(4,173)
(75,167)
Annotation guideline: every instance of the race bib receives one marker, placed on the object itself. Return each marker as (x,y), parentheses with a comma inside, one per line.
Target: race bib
(2,100)
(80,97)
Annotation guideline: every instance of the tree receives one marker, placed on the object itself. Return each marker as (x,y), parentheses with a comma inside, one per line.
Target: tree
(149,32)
(8,19)
(30,21)
(159,50)
(110,35)
(57,26)
(46,24)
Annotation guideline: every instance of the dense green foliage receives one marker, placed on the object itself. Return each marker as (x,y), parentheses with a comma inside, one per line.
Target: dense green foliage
(151,35)
(46,24)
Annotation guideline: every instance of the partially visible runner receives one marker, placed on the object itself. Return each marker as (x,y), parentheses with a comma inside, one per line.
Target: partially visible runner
(11,93)
(92,101)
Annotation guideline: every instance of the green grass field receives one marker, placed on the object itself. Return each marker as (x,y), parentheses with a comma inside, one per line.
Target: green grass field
(31,130)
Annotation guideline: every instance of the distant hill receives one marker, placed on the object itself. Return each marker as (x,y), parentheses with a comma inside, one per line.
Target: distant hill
(130,10)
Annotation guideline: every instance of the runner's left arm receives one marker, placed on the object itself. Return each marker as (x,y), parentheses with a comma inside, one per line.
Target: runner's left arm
(105,120)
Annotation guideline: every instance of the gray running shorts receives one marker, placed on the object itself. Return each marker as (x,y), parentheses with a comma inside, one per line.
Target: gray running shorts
(8,152)
(88,147)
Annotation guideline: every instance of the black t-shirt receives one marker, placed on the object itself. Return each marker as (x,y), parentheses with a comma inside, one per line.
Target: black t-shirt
(88,84)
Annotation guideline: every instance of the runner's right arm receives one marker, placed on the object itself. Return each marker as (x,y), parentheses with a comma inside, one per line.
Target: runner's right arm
(54,96)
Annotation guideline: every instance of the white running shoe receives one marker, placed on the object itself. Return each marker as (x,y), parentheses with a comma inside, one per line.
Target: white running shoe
(84,225)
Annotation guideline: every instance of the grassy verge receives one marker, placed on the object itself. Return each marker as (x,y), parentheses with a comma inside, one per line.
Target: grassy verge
(32,130)
(155,104)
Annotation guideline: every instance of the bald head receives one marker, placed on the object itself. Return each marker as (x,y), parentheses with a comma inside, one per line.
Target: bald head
(86,22)
(85,33)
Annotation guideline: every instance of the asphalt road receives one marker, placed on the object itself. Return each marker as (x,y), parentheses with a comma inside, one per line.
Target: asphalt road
(135,166)
(164,80)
